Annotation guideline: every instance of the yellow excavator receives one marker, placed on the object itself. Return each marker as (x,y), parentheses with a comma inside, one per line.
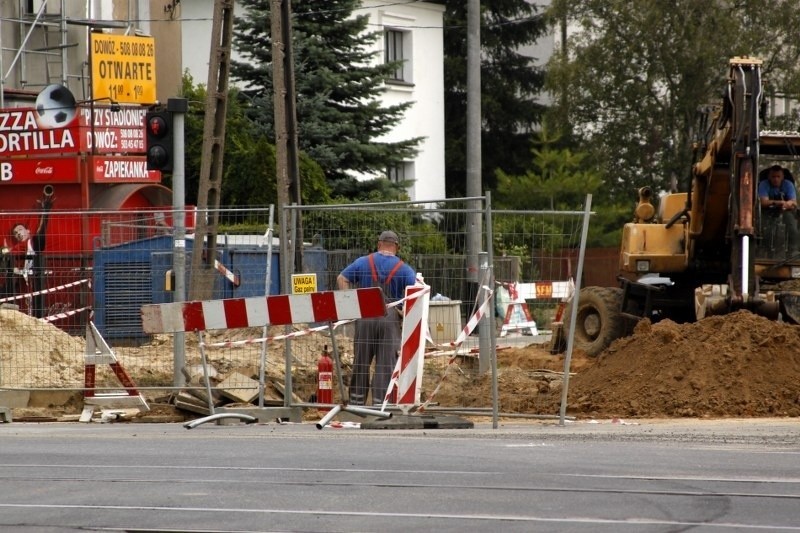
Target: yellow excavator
(704,252)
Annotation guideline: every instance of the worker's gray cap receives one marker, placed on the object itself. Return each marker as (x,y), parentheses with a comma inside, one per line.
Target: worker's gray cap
(389,236)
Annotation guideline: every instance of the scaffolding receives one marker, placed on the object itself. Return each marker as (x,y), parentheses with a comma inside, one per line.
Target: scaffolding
(42,34)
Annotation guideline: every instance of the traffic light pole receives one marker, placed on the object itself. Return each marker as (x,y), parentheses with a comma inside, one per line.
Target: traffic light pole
(178,107)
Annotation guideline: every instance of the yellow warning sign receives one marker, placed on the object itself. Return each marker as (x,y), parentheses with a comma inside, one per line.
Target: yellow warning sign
(123,68)
(304,283)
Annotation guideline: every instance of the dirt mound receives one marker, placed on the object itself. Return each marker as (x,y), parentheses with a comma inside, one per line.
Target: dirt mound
(739,365)
(34,353)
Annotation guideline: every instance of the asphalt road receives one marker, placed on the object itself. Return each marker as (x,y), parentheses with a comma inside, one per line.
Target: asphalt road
(735,475)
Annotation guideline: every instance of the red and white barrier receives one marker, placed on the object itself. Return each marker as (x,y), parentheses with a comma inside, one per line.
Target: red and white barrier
(276,310)
(518,316)
(302,332)
(541,289)
(407,374)
(227,274)
(472,323)
(65,314)
(474,320)
(415,339)
(98,352)
(44,291)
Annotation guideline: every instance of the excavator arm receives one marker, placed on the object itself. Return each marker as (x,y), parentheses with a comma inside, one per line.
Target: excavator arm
(734,153)
(744,95)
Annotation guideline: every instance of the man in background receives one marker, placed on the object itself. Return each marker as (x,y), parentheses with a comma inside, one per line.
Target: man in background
(377,338)
(30,247)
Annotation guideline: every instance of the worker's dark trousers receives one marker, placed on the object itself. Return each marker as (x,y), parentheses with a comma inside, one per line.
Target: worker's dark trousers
(379,339)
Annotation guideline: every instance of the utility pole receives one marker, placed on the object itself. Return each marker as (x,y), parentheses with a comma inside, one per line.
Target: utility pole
(178,108)
(204,253)
(474,162)
(279,103)
(286,148)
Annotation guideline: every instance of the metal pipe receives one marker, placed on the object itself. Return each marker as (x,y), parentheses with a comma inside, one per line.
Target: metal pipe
(219,416)
(574,314)
(263,359)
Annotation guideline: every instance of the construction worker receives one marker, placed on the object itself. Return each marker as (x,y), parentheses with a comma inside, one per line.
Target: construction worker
(377,338)
(778,198)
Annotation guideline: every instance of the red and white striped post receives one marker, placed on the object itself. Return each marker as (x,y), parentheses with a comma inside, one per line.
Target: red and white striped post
(407,375)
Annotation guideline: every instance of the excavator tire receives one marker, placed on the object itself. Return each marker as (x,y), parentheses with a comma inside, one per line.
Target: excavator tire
(599,321)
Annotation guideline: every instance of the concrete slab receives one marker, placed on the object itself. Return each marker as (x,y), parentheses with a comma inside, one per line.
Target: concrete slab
(425,421)
(14,399)
(45,398)
(239,388)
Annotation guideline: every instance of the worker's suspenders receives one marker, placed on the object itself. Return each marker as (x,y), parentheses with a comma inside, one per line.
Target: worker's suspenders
(375,281)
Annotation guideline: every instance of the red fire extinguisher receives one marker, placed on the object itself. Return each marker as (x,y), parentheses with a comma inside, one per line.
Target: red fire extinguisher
(325,378)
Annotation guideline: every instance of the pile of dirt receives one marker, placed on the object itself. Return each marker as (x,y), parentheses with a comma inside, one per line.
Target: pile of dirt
(34,353)
(737,365)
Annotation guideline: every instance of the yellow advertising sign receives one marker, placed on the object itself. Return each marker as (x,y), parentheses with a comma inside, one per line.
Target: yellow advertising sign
(304,283)
(123,68)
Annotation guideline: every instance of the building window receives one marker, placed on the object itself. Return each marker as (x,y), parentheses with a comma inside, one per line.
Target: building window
(396,173)
(396,44)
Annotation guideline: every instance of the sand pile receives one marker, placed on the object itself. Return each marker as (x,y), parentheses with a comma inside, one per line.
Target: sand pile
(34,353)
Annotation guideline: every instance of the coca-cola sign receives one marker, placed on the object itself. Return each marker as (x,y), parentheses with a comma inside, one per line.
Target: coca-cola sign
(40,170)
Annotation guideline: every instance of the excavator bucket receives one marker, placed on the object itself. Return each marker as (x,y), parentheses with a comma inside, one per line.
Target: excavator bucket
(790,307)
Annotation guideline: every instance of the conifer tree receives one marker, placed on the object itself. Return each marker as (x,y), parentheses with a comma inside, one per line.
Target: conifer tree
(510,83)
(337,84)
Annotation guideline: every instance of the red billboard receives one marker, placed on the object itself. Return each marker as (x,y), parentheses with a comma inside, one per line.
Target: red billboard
(38,145)
(113,131)
(118,169)
(26,132)
(47,170)
(31,131)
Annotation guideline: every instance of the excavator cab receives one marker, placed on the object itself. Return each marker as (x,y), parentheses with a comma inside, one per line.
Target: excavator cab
(778,226)
(777,261)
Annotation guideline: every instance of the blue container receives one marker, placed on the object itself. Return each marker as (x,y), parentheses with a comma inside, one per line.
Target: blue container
(130,275)
(122,284)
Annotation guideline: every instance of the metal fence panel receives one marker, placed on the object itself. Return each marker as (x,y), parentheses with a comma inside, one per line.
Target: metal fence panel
(102,266)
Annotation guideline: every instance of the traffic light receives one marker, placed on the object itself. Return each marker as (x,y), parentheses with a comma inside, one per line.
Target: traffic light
(160,156)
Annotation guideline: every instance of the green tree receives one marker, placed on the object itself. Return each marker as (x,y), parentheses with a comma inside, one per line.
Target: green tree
(337,87)
(510,83)
(249,161)
(559,178)
(634,74)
